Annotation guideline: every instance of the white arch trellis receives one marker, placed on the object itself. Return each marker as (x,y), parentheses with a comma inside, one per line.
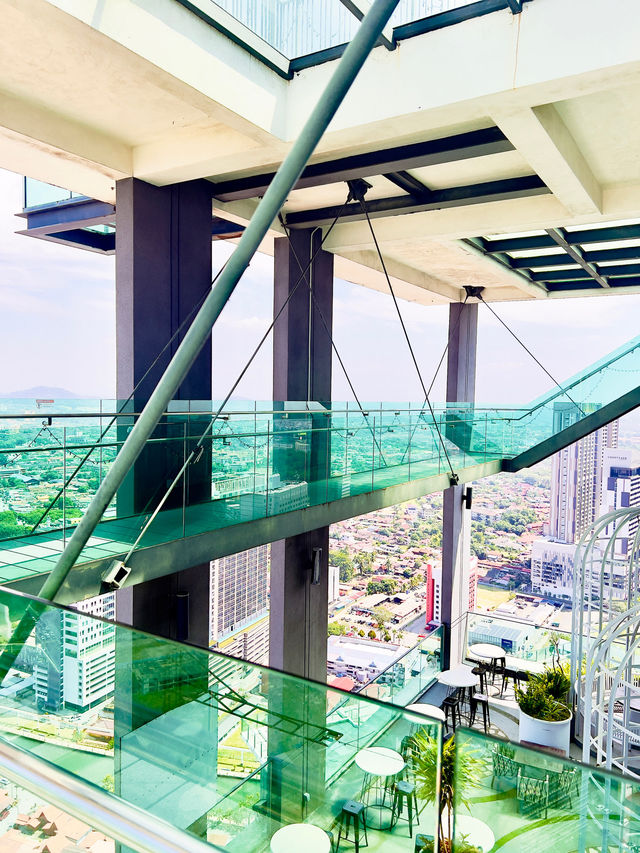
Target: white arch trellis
(605,659)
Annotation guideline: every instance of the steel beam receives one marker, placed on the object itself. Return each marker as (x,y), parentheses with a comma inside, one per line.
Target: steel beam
(448,149)
(605,234)
(611,273)
(559,236)
(530,185)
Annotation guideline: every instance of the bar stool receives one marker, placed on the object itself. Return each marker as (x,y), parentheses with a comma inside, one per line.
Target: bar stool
(353,814)
(405,792)
(481,671)
(451,708)
(483,700)
(408,752)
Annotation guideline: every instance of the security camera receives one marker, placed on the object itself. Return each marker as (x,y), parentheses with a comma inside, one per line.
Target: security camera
(116,575)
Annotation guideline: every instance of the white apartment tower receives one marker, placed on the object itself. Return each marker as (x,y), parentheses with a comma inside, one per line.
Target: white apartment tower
(76,663)
(576,479)
(238,623)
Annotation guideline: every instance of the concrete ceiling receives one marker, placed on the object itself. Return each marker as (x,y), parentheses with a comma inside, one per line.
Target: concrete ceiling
(91,92)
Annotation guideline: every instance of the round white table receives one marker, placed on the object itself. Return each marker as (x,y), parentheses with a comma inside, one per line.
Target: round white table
(476,831)
(380,761)
(487,650)
(459,676)
(300,836)
(427,710)
(378,764)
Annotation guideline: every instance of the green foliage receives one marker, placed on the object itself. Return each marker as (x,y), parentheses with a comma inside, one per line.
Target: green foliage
(343,561)
(556,682)
(371,634)
(337,629)
(460,770)
(108,783)
(9,524)
(363,562)
(382,616)
(386,585)
(537,702)
(515,520)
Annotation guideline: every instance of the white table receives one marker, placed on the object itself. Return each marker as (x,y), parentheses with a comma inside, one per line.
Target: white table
(300,836)
(487,650)
(427,710)
(378,763)
(476,831)
(459,676)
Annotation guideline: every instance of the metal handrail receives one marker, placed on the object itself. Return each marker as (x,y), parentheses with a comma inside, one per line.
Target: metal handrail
(117,818)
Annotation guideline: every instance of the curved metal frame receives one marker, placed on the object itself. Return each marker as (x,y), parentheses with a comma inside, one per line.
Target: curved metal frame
(607,643)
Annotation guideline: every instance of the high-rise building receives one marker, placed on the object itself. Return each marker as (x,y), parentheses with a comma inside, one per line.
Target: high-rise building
(620,489)
(334,583)
(576,479)
(239,623)
(75,667)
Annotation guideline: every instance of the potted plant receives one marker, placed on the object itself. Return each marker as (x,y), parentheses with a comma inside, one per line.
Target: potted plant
(545,718)
(459,771)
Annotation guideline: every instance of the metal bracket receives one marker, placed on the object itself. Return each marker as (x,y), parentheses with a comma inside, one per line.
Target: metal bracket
(358,188)
(473,292)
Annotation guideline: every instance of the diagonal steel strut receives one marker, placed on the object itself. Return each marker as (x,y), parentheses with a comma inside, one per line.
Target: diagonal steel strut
(286,177)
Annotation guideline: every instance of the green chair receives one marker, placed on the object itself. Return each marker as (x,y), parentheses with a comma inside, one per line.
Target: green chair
(533,794)
(504,767)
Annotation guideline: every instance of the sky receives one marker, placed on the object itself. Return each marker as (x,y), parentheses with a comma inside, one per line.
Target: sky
(58,328)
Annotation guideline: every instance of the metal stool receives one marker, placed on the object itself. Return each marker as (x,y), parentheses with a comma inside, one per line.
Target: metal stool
(481,671)
(451,708)
(405,792)
(482,700)
(408,752)
(353,814)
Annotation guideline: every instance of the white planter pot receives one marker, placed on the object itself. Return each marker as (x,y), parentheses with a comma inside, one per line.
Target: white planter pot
(544,733)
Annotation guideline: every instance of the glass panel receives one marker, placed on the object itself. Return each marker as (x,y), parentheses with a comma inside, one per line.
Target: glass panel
(409,676)
(521,799)
(39,194)
(224,749)
(414,10)
(294,27)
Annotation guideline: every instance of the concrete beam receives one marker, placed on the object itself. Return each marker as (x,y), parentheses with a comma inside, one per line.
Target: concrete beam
(545,142)
(165,559)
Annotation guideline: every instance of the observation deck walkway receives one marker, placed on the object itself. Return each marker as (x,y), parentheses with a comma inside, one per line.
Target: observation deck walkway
(265,471)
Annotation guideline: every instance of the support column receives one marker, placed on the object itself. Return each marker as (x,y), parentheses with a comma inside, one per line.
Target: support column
(456,520)
(301,371)
(163,269)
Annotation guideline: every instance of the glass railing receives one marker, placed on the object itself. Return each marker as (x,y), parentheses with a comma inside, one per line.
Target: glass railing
(526,645)
(39,194)
(252,461)
(407,678)
(509,797)
(223,749)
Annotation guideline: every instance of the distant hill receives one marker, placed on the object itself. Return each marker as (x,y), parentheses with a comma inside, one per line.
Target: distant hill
(41,392)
